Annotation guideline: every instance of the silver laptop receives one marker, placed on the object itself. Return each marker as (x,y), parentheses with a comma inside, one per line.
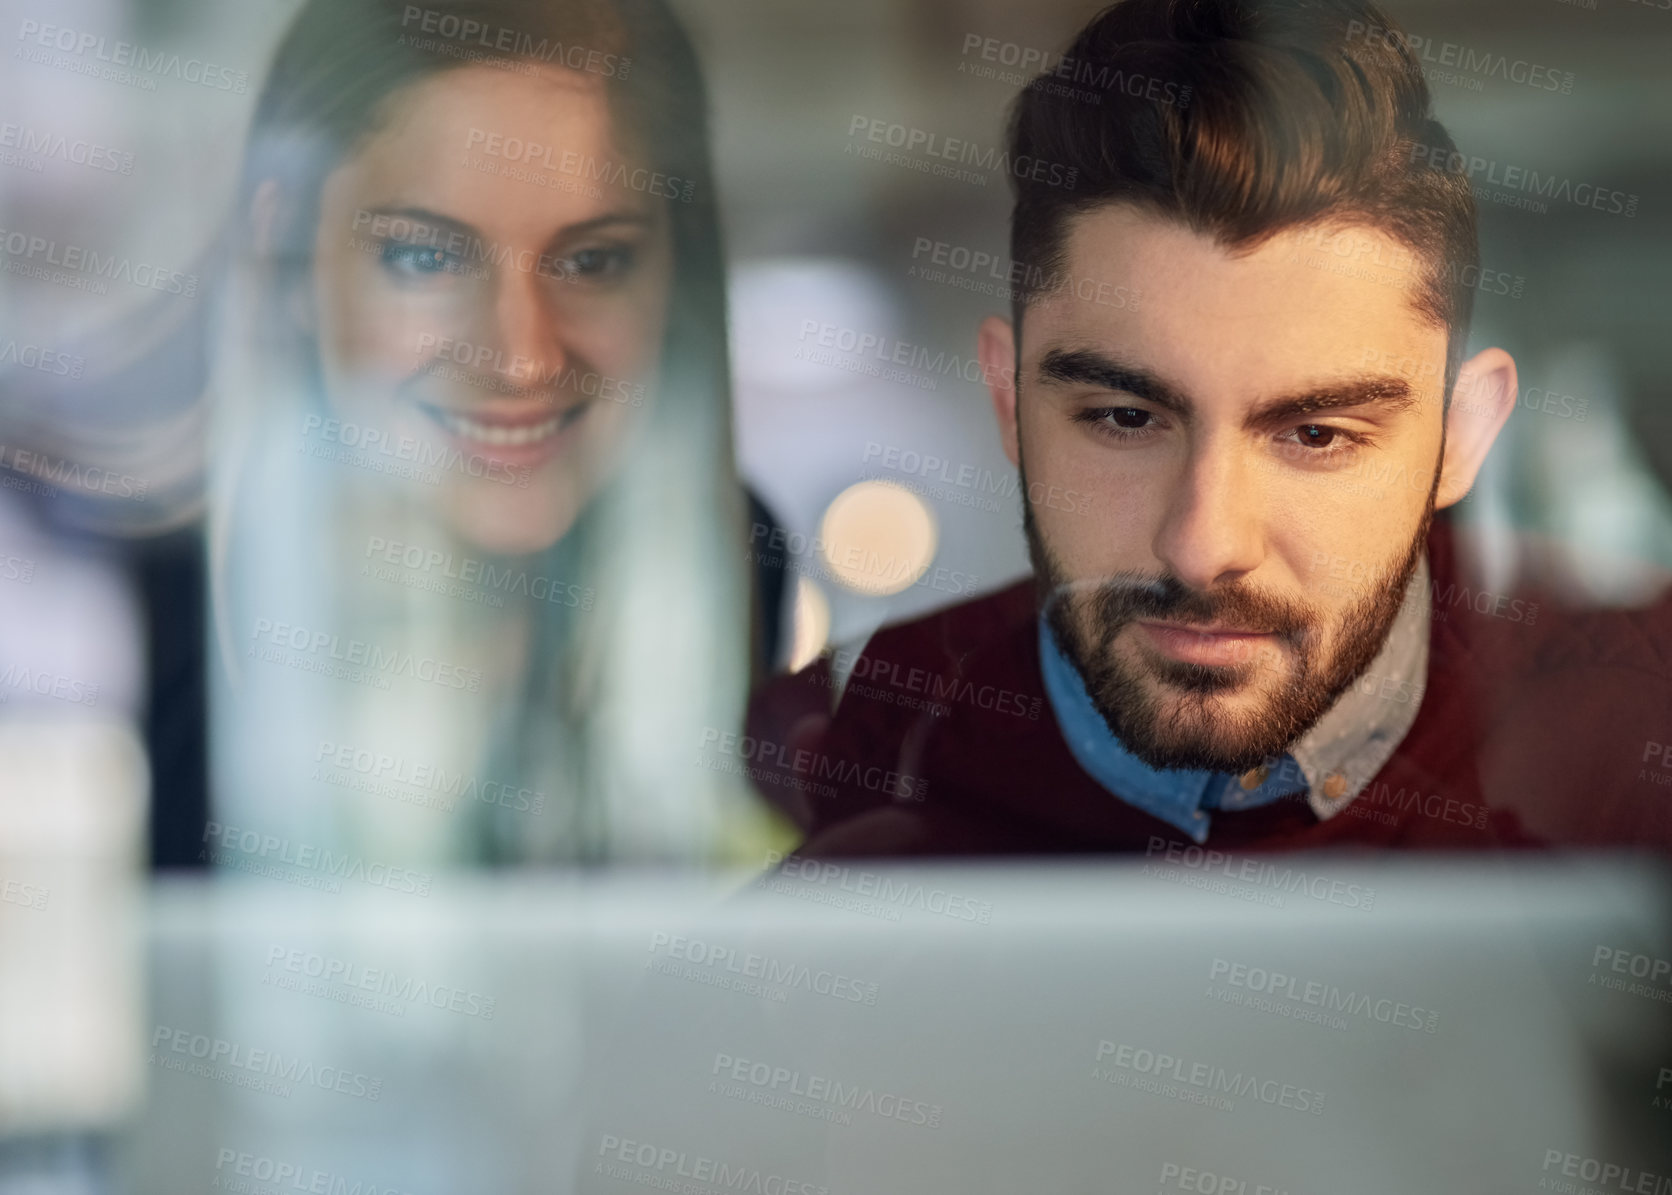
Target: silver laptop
(1301,1024)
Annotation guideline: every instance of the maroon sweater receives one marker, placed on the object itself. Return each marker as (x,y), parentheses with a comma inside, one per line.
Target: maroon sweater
(1539,727)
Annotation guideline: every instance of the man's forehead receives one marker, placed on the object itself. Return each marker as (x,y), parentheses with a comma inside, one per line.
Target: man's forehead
(1260,319)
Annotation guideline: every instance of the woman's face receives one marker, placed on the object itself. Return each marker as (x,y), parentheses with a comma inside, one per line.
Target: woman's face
(492,270)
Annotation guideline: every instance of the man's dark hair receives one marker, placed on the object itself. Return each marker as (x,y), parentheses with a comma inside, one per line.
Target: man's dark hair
(1242,119)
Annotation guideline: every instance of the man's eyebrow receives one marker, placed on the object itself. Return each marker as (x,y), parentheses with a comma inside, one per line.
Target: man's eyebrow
(1086,367)
(1392,395)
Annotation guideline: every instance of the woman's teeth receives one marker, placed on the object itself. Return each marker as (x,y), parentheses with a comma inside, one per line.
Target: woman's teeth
(500,436)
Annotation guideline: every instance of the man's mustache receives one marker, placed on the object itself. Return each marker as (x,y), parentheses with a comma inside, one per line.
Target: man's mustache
(1116,600)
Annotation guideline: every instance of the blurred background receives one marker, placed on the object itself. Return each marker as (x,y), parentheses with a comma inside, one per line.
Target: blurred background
(834,261)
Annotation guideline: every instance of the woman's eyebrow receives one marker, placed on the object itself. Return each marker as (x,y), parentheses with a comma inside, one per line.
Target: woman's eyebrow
(628,216)
(424,220)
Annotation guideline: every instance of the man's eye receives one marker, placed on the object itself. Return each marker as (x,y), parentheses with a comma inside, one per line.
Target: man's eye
(1313,435)
(418,260)
(1116,419)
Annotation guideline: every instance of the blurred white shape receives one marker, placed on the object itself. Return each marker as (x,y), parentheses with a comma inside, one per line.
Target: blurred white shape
(878,537)
(70,631)
(1605,505)
(1576,478)
(787,309)
(72,814)
(812,623)
(815,412)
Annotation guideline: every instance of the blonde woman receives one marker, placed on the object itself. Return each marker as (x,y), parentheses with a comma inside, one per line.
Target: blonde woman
(476,533)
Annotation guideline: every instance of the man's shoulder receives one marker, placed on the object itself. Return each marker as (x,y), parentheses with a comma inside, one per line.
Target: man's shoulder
(952,634)
(854,708)
(1567,701)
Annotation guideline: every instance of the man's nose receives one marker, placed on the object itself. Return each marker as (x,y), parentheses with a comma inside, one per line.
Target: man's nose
(1212,529)
(521,321)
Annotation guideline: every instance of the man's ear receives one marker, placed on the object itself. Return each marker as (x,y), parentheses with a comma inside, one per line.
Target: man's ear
(1481,403)
(264,230)
(995,347)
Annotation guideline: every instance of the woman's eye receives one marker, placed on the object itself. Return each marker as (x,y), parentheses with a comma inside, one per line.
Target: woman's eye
(597,263)
(417,260)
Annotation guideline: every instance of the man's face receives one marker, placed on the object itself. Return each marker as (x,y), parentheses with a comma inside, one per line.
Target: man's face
(1253,484)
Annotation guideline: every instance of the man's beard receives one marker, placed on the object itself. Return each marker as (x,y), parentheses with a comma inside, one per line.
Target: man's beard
(1182,730)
